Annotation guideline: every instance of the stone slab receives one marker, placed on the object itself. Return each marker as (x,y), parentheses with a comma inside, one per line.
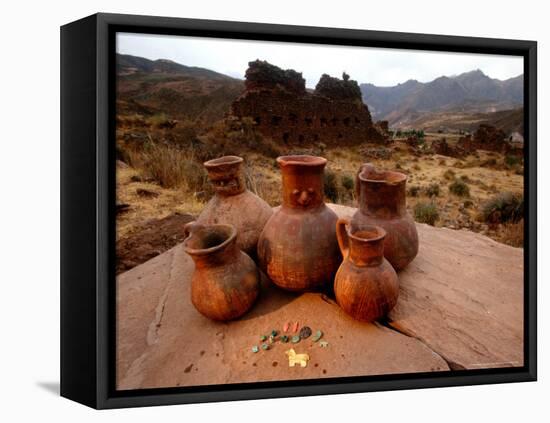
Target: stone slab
(463,304)
(463,297)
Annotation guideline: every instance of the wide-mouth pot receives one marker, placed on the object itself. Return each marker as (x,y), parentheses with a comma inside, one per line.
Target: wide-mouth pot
(204,240)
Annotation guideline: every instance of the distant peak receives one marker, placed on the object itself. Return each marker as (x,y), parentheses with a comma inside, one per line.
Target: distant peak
(475,73)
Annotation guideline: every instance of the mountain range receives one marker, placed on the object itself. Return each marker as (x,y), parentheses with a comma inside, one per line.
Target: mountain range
(473,92)
(185,92)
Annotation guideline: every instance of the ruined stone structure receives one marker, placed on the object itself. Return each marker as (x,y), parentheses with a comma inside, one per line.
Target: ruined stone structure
(441,146)
(489,138)
(277,100)
(486,137)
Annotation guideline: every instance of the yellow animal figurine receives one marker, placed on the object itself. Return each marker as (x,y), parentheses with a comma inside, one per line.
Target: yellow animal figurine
(294,358)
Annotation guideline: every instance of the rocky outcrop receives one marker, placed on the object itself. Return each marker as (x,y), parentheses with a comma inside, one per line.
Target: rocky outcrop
(339,89)
(489,138)
(460,307)
(282,108)
(441,146)
(264,75)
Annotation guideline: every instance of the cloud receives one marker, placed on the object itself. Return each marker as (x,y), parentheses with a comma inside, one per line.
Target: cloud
(383,67)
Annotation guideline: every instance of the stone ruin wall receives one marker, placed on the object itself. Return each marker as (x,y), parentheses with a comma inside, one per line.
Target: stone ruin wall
(287,113)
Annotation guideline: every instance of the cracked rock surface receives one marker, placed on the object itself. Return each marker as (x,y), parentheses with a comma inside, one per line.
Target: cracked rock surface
(460,305)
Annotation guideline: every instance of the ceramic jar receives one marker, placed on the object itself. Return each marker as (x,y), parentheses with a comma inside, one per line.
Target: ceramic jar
(298,248)
(233,204)
(382,202)
(226,281)
(366,285)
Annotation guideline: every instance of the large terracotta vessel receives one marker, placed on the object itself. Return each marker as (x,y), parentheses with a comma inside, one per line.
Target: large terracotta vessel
(366,285)
(298,248)
(382,202)
(226,281)
(233,204)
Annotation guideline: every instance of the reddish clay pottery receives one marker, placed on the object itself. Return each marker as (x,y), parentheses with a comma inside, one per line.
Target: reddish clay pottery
(298,248)
(366,285)
(382,202)
(233,204)
(226,281)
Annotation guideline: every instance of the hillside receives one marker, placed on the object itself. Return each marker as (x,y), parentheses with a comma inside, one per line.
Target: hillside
(472,92)
(161,86)
(508,121)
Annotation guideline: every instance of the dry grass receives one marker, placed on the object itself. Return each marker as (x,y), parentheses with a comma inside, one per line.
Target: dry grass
(512,234)
(142,209)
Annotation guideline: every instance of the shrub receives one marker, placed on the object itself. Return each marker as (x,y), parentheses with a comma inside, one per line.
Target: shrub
(467,204)
(331,186)
(158,120)
(449,174)
(432,190)
(512,161)
(414,191)
(460,188)
(489,163)
(426,213)
(348,182)
(502,208)
(268,147)
(186,134)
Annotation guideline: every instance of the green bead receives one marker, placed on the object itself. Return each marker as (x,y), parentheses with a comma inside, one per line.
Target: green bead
(263,338)
(317,336)
(265,347)
(295,339)
(255,349)
(284,339)
(274,333)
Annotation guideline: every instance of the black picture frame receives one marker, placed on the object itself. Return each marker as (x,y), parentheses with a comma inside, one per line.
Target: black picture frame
(88,209)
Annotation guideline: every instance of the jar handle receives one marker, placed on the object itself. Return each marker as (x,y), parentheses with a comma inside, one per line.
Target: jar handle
(342,236)
(191,227)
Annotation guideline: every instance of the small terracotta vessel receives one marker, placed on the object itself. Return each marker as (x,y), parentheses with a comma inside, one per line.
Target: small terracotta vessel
(366,285)
(298,248)
(233,204)
(226,281)
(382,202)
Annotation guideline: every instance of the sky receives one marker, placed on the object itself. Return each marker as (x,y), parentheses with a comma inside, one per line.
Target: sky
(382,67)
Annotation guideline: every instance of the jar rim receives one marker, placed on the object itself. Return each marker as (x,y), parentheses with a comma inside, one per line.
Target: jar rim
(231,235)
(388,177)
(223,161)
(301,160)
(367,233)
